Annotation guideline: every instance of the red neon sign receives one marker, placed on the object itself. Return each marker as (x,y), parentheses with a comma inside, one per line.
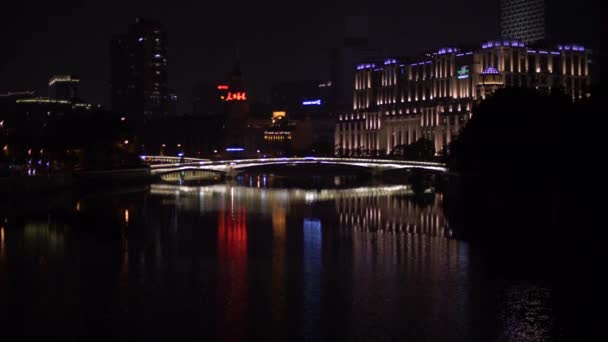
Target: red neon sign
(238,96)
(222,87)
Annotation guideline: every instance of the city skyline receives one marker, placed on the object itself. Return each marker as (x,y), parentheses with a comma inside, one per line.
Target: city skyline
(202,45)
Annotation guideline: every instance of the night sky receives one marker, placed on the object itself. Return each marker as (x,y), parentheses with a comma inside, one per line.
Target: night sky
(277,42)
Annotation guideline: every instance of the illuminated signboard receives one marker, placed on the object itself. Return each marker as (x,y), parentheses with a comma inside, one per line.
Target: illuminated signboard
(235,149)
(238,96)
(222,87)
(463,72)
(278,114)
(312,103)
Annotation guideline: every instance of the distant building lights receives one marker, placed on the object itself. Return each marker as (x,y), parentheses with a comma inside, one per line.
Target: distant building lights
(238,96)
(443,51)
(42,100)
(365,66)
(63,78)
(312,102)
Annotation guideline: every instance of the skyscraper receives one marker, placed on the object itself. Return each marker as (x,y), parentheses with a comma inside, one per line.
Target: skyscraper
(523,20)
(237,112)
(139,71)
(353,49)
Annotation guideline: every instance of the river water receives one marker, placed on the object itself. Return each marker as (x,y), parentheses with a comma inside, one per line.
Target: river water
(256,259)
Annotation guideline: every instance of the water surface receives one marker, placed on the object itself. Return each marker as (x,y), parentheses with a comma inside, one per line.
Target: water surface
(254,260)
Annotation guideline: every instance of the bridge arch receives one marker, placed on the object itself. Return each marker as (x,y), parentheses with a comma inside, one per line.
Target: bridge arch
(231,166)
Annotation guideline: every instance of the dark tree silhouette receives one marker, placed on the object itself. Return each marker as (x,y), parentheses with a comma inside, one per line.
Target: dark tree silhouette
(519,159)
(520,139)
(422,150)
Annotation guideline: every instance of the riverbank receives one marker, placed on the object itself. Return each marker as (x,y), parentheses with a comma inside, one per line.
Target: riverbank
(28,184)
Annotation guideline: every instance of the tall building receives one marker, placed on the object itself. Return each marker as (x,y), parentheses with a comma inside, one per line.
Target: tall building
(523,20)
(63,87)
(237,113)
(353,49)
(398,102)
(139,71)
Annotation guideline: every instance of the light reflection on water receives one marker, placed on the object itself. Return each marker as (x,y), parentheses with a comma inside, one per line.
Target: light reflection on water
(231,262)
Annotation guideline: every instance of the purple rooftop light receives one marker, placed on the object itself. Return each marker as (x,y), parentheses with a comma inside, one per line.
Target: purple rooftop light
(491,71)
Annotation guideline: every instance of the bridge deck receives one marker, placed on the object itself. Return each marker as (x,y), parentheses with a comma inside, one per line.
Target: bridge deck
(236,164)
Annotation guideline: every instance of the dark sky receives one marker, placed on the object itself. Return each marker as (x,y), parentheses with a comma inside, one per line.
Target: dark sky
(281,41)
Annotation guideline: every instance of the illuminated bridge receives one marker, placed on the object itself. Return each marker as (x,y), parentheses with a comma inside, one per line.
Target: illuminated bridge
(232,166)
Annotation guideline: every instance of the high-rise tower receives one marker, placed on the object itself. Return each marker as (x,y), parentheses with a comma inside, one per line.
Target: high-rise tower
(237,111)
(523,20)
(139,71)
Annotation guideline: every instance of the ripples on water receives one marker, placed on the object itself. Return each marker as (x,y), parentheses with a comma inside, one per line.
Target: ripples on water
(248,261)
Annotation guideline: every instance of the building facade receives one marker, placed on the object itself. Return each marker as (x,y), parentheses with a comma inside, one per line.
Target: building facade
(139,71)
(237,137)
(523,20)
(397,102)
(63,87)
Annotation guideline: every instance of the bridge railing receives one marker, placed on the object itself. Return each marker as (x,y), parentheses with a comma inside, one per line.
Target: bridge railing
(222,165)
(169,159)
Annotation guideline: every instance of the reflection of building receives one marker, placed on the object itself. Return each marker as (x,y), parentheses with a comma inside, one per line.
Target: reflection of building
(312,248)
(396,103)
(63,87)
(232,274)
(139,71)
(392,213)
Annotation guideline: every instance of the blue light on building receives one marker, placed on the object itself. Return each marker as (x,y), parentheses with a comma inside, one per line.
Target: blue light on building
(316,102)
